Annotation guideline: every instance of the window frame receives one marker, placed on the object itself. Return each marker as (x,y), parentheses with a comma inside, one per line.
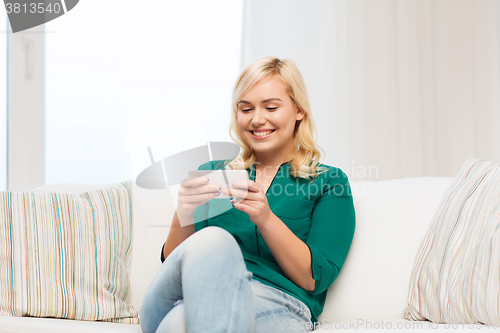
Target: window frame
(26,109)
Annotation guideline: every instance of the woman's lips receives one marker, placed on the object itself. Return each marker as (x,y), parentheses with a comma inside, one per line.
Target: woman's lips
(262,137)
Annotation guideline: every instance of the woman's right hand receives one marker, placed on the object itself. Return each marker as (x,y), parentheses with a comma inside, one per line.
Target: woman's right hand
(194,192)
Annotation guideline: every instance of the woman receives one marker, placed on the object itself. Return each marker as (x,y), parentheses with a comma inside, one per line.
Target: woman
(265,263)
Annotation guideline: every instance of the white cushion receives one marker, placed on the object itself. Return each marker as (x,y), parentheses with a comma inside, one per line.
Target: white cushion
(50,325)
(399,325)
(391,219)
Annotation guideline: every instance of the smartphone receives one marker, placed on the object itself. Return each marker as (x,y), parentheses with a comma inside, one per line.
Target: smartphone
(223,178)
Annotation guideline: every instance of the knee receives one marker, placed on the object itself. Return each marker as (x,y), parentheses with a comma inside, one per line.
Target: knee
(174,321)
(216,233)
(212,238)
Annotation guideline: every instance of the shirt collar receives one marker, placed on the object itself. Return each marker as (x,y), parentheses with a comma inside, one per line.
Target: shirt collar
(252,169)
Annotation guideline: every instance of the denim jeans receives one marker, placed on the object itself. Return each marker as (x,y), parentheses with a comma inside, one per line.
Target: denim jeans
(204,286)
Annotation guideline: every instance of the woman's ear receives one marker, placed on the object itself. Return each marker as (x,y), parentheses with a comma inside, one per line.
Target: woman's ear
(300,114)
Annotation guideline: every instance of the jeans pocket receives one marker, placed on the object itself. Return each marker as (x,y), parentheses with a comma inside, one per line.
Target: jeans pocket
(293,304)
(304,310)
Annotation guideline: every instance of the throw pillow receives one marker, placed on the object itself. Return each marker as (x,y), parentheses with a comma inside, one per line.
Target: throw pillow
(67,255)
(455,278)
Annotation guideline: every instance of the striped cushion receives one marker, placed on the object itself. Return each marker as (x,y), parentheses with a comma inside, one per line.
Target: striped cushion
(456,277)
(67,255)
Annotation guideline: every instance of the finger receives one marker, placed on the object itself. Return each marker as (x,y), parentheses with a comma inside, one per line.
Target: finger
(242,206)
(198,197)
(194,190)
(239,205)
(214,195)
(207,199)
(247,184)
(239,193)
(192,181)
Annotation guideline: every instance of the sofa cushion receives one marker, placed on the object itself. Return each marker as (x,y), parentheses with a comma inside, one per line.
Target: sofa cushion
(67,255)
(398,325)
(391,219)
(51,325)
(456,277)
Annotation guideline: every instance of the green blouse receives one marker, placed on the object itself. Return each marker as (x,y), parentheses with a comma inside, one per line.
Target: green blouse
(321,214)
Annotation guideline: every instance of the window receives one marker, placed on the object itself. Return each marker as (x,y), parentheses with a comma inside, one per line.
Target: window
(122,76)
(3,102)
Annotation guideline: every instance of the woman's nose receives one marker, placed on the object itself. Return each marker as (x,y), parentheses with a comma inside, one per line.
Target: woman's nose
(258,118)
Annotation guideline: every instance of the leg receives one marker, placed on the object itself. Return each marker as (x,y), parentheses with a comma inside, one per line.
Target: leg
(275,312)
(278,312)
(174,321)
(216,285)
(208,272)
(163,292)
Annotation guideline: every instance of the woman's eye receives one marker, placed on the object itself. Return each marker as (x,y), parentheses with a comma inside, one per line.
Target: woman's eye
(246,110)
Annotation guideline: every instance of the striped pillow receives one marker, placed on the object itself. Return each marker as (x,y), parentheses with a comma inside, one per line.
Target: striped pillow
(67,255)
(456,277)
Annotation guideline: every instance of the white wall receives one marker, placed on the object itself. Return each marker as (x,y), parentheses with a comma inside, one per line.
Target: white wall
(397,88)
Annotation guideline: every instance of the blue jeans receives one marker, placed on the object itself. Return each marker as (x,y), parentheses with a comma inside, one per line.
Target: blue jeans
(204,286)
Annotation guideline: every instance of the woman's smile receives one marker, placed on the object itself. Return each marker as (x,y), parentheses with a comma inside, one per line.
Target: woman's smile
(261,135)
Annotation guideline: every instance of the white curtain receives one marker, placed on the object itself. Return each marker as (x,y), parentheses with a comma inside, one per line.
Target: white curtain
(398,89)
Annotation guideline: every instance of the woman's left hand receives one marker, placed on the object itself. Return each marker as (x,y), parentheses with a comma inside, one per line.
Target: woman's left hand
(254,201)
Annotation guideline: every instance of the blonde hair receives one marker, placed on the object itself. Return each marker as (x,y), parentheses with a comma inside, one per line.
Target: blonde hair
(305,162)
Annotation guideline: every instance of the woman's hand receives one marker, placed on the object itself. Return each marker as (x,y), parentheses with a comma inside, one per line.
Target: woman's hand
(194,192)
(252,201)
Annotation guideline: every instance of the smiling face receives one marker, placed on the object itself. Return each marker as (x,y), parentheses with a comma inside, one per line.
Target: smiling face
(266,118)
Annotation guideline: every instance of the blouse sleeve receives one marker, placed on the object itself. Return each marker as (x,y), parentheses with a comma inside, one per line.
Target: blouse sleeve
(332,230)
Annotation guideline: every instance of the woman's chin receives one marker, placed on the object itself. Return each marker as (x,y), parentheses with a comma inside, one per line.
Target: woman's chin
(265,150)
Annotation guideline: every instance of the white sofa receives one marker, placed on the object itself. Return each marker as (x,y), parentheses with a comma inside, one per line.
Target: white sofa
(392,218)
